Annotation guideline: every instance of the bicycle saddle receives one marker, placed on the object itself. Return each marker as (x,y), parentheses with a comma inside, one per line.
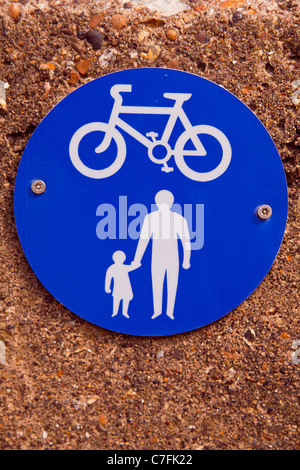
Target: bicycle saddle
(178,96)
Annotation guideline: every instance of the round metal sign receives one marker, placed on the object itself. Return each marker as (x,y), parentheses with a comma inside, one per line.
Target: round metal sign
(150,202)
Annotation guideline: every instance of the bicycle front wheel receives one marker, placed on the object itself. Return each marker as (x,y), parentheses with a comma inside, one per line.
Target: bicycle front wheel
(114,135)
(195,133)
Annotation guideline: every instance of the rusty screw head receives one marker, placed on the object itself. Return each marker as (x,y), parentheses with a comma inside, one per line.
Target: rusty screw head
(264,212)
(38,187)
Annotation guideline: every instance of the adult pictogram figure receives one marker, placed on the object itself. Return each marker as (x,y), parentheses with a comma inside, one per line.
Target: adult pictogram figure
(164,227)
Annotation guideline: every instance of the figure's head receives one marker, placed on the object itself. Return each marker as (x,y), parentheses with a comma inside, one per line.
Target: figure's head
(119,257)
(164,197)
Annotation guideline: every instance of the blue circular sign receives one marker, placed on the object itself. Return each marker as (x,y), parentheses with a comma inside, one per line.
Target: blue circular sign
(150,202)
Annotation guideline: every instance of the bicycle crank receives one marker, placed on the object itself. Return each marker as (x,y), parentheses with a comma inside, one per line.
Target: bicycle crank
(160,153)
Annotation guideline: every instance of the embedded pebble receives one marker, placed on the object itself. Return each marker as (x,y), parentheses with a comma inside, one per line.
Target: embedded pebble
(83,65)
(95,20)
(3,88)
(103,419)
(154,22)
(118,22)
(67,31)
(171,35)
(81,34)
(2,353)
(296,92)
(237,16)
(201,36)
(95,39)
(47,88)
(200,7)
(249,336)
(73,78)
(133,55)
(14,11)
(232,3)
(107,58)
(167,7)
(295,357)
(152,54)
(296,354)
(142,35)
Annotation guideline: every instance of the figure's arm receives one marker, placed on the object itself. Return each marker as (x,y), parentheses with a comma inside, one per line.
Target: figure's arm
(133,266)
(143,242)
(108,279)
(184,235)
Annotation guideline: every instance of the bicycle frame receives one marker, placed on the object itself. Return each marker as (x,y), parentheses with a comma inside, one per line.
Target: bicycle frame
(175,112)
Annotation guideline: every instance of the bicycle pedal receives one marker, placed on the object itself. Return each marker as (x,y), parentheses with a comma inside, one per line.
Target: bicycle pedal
(167,169)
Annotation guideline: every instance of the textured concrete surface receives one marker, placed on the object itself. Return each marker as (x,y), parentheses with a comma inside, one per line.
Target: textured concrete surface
(67,384)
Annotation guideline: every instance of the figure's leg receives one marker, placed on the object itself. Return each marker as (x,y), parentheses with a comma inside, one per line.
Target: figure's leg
(125,308)
(116,304)
(172,283)
(158,275)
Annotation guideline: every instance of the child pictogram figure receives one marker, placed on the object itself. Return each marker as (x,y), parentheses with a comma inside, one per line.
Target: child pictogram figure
(118,273)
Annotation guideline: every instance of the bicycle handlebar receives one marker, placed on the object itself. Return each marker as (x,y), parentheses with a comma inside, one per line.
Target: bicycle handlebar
(117,89)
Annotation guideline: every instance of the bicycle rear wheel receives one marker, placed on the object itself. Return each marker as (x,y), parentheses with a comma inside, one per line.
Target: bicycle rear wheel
(114,135)
(180,153)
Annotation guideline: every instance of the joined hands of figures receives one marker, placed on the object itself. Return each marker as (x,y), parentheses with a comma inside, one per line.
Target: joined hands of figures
(135,264)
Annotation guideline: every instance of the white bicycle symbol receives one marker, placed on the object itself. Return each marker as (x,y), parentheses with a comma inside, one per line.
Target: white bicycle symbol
(159,151)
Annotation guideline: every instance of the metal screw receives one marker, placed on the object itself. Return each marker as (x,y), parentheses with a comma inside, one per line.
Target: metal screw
(264,212)
(38,187)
